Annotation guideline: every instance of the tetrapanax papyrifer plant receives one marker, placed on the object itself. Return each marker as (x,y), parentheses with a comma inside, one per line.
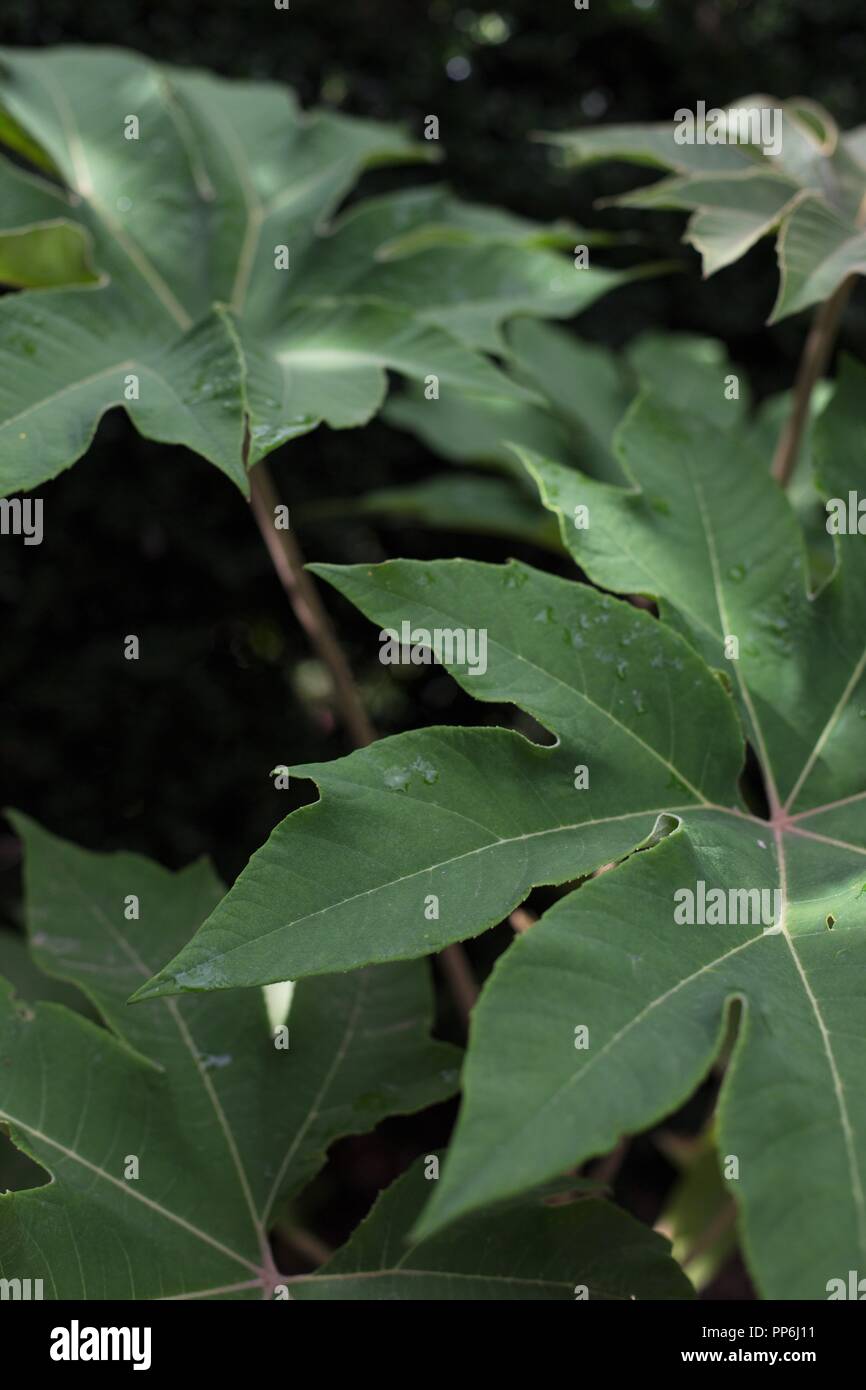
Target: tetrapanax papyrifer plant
(446,830)
(651,717)
(173,234)
(176,243)
(699,802)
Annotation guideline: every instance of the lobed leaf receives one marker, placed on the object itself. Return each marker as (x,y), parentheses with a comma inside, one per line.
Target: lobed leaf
(482,815)
(809,191)
(193,274)
(223,1125)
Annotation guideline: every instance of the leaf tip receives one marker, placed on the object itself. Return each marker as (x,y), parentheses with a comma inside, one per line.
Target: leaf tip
(156,988)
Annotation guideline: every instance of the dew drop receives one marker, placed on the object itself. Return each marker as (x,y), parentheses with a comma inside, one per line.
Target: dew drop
(216,1060)
(514,578)
(396,779)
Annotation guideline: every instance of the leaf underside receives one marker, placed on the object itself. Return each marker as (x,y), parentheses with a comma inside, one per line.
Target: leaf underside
(189,268)
(781,167)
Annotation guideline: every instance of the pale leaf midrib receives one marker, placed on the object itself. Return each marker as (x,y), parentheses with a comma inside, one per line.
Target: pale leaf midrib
(838,1089)
(446,863)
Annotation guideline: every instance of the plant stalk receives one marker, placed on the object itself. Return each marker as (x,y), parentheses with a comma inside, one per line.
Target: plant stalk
(455,967)
(308,608)
(813,364)
(305,1242)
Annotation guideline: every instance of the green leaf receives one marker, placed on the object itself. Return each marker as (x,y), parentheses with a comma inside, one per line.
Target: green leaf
(524,1251)
(807,184)
(818,249)
(730,212)
(225,1126)
(653,995)
(476,817)
(651,144)
(462,268)
(484,506)
(764,431)
(480,815)
(19,969)
(581,393)
(586,386)
(706,531)
(690,373)
(194,326)
(41,256)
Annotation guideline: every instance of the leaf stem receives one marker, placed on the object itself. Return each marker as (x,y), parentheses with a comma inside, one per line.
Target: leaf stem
(288,561)
(813,364)
(305,1242)
(455,966)
(607,1168)
(521,920)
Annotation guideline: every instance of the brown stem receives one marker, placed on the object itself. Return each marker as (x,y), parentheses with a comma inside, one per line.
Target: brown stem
(813,364)
(305,1242)
(607,1168)
(461,981)
(288,561)
(308,607)
(521,920)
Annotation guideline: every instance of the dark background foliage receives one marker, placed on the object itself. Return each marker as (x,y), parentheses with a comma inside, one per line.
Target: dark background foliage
(171,755)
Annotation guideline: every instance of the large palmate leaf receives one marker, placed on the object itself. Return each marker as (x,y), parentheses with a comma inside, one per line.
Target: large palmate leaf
(190,273)
(479,815)
(806,182)
(224,1125)
(654,993)
(443,831)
